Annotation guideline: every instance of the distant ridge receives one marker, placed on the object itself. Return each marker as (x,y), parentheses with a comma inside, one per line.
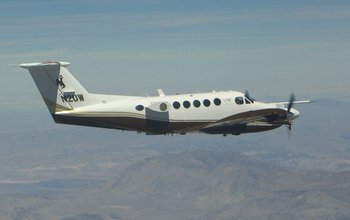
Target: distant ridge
(227,185)
(198,185)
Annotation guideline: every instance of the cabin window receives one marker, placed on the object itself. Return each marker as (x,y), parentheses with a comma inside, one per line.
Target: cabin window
(176,105)
(247,101)
(206,103)
(196,103)
(239,100)
(163,107)
(217,101)
(139,107)
(186,104)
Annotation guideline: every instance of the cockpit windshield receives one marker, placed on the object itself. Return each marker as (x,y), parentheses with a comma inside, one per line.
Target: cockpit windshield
(249,100)
(245,99)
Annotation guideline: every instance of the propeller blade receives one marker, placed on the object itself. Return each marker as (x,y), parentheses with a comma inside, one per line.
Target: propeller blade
(291,102)
(246,94)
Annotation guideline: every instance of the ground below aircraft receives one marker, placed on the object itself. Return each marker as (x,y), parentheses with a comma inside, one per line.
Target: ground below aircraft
(217,112)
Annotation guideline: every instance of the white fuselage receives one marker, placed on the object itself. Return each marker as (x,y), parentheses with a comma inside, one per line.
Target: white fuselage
(193,111)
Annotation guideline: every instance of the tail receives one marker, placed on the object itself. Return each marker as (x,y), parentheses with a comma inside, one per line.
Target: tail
(59,89)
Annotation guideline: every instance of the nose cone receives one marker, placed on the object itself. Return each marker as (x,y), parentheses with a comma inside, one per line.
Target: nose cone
(293,114)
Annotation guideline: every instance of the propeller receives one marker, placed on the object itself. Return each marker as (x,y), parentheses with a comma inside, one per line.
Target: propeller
(291,102)
(290,105)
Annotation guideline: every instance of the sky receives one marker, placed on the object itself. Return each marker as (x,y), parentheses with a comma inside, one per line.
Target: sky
(271,48)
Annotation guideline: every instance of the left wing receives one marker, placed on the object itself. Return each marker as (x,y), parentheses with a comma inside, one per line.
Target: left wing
(263,115)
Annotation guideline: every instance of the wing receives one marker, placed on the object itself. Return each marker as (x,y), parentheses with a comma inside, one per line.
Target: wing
(294,102)
(239,120)
(263,115)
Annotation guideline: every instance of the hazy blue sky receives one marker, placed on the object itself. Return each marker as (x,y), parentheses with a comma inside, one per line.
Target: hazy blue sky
(135,47)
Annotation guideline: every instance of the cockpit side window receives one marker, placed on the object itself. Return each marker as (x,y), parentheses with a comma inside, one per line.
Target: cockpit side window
(239,100)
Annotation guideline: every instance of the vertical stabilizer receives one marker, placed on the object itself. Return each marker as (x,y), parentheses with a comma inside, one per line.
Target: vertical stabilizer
(59,89)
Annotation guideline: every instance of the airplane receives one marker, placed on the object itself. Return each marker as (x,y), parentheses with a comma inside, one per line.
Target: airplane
(216,112)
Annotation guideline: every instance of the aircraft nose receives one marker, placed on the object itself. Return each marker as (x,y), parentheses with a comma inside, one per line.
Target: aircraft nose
(293,114)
